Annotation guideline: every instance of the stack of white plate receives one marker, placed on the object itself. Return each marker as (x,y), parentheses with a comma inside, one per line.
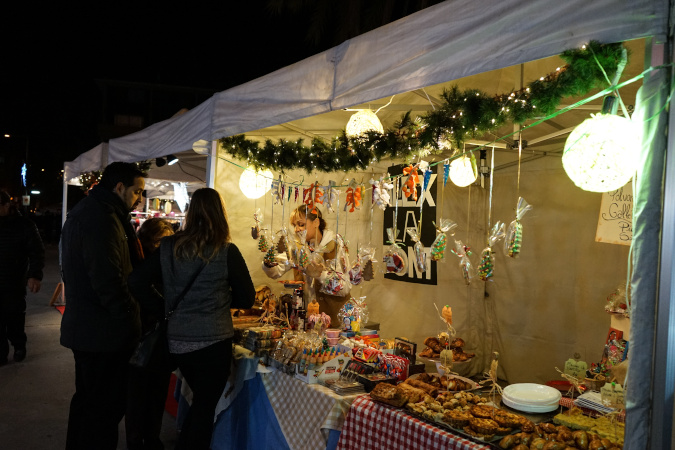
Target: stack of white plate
(531,397)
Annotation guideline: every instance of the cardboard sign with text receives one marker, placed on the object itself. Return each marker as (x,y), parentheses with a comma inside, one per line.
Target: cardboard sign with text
(615,222)
(409,216)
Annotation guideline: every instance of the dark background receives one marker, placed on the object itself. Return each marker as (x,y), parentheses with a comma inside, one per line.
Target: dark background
(74,75)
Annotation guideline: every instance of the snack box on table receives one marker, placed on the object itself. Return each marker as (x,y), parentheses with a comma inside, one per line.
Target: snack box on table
(326,371)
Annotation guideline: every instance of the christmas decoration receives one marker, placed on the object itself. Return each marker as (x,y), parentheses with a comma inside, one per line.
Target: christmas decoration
(368,272)
(270,257)
(463,251)
(354,195)
(486,266)
(463,170)
(420,254)
(394,258)
(361,122)
(380,195)
(255,230)
(410,187)
(255,183)
(440,243)
(462,115)
(514,234)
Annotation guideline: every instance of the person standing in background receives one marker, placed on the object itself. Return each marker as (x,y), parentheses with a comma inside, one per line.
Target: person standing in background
(22,258)
(101,322)
(148,386)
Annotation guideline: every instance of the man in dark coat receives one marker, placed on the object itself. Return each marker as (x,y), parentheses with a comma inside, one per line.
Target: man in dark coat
(22,257)
(101,322)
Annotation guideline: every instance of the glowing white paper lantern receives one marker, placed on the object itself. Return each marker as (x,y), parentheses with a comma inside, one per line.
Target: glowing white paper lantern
(463,170)
(363,121)
(255,184)
(601,154)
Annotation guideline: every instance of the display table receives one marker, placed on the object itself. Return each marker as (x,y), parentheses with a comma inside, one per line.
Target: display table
(374,425)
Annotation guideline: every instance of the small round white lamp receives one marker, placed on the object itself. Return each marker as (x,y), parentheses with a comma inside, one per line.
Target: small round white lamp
(601,154)
(255,184)
(363,121)
(463,170)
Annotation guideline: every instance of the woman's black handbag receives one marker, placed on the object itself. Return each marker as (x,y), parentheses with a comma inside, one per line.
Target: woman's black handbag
(154,341)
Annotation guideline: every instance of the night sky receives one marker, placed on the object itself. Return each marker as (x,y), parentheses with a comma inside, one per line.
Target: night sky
(53,52)
(49,101)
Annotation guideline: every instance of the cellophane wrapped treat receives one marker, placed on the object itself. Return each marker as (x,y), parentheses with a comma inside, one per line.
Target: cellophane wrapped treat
(439,245)
(420,254)
(334,283)
(255,230)
(514,234)
(264,241)
(395,260)
(463,251)
(486,267)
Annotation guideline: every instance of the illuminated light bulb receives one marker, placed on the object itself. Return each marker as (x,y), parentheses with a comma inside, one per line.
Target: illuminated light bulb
(463,170)
(363,121)
(255,184)
(601,154)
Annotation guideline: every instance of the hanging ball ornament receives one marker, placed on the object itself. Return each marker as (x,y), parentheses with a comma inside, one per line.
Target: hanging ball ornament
(463,170)
(601,154)
(363,121)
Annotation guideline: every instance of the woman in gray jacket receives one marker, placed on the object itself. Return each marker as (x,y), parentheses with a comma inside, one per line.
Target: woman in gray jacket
(200,329)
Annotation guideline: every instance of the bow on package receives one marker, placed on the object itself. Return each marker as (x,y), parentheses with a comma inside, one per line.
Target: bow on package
(440,243)
(486,267)
(514,234)
(463,252)
(420,254)
(410,187)
(394,258)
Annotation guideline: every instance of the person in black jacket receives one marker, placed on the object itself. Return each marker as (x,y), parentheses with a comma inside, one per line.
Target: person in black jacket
(200,329)
(22,257)
(101,322)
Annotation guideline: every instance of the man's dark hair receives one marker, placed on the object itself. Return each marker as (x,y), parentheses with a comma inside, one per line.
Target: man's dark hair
(120,171)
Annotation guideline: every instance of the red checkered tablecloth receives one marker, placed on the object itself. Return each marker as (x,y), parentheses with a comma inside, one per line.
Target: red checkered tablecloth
(371,425)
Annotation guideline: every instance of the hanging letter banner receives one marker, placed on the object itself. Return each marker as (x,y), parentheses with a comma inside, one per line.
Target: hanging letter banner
(615,223)
(409,216)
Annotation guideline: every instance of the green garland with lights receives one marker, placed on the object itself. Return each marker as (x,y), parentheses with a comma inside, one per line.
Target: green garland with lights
(463,115)
(90,179)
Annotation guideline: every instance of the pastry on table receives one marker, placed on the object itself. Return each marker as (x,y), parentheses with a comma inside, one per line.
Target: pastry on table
(389,394)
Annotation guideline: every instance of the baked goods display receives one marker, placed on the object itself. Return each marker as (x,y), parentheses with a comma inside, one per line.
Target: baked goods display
(601,426)
(448,383)
(435,345)
(547,436)
(389,394)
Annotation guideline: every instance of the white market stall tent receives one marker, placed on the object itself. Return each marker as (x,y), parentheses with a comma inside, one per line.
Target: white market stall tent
(544,306)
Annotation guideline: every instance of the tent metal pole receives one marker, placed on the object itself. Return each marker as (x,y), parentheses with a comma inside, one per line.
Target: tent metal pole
(211,165)
(663,388)
(64,206)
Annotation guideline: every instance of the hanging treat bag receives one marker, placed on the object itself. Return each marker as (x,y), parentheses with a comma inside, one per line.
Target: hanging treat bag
(367,256)
(334,284)
(462,251)
(264,241)
(255,230)
(394,259)
(514,234)
(347,315)
(270,257)
(361,309)
(486,267)
(420,254)
(440,244)
(356,272)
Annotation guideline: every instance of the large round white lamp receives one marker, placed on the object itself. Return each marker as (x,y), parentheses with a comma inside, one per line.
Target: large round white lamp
(601,154)
(363,121)
(463,170)
(255,184)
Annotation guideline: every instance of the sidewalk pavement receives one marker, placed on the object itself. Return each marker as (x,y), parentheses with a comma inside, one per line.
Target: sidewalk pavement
(35,393)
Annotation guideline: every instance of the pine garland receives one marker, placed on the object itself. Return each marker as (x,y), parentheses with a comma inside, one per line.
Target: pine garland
(463,115)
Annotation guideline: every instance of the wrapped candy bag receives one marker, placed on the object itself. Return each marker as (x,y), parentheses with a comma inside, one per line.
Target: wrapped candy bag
(361,308)
(356,272)
(420,254)
(264,241)
(334,283)
(486,266)
(440,243)
(255,230)
(270,257)
(514,234)
(463,252)
(348,315)
(367,257)
(394,258)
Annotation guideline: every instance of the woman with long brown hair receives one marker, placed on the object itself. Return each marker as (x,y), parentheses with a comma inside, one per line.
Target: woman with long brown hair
(206,273)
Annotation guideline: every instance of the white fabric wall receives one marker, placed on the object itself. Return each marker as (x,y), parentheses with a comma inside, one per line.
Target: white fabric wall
(542,307)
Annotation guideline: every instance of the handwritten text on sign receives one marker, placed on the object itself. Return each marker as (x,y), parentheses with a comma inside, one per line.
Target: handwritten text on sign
(615,223)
